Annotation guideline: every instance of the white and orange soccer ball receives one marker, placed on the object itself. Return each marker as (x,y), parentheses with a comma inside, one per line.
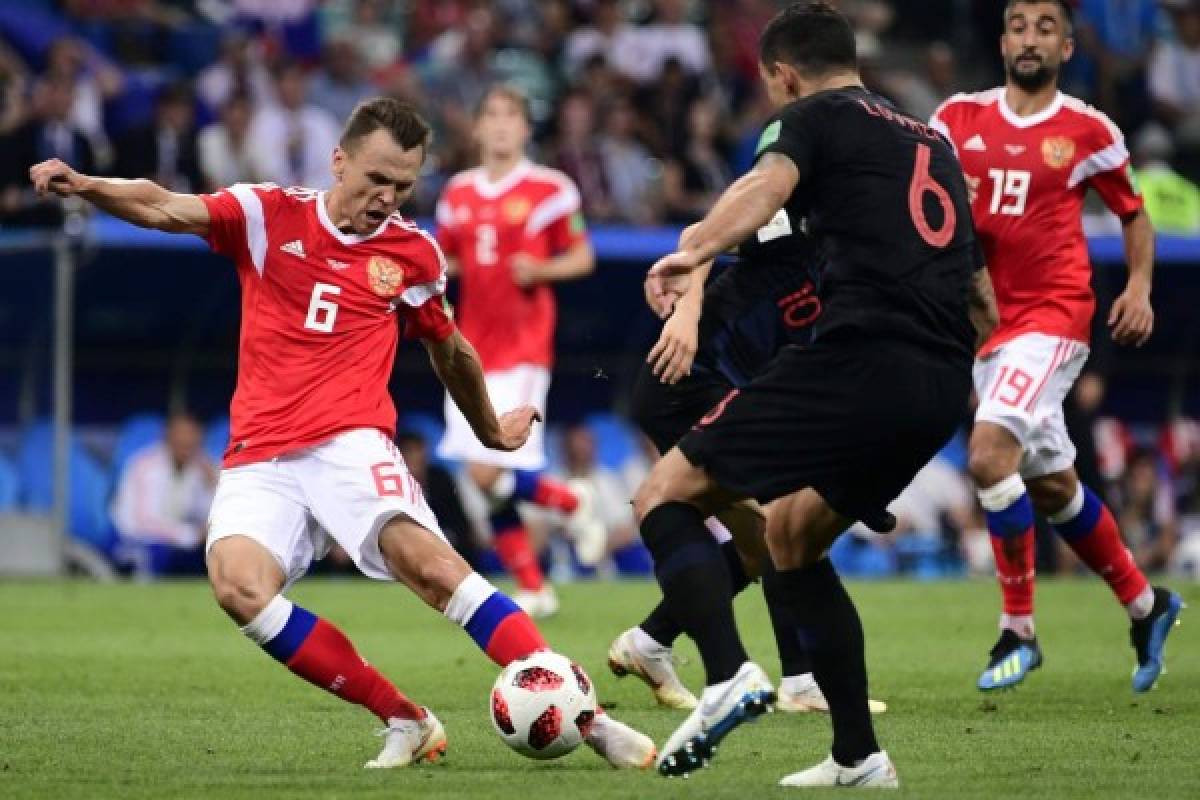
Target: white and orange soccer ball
(542,706)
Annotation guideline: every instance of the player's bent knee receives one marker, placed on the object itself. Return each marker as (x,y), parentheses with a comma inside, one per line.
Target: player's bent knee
(241,596)
(993,455)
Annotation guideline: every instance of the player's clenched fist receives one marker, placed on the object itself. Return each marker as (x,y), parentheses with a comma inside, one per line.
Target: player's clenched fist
(515,427)
(1132,317)
(57,177)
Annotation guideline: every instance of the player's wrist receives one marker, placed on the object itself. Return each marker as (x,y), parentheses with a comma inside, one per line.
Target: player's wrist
(1139,286)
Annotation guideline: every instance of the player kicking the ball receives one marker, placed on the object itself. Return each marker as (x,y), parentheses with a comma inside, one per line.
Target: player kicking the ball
(329,280)
(1030,153)
(511,228)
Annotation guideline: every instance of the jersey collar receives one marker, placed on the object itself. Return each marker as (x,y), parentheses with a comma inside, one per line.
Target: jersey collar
(490,190)
(332,230)
(1017,121)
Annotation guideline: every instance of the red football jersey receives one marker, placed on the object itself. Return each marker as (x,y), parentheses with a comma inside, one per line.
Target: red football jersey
(321,316)
(1030,176)
(532,210)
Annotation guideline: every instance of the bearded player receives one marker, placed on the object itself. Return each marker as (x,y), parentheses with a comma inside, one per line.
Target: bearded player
(1030,153)
(329,281)
(510,229)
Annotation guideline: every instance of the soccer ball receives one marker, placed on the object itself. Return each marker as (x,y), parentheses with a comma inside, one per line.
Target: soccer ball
(543,705)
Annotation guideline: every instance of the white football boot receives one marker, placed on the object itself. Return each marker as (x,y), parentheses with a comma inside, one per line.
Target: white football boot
(799,694)
(585,527)
(634,654)
(537,603)
(410,740)
(875,772)
(618,744)
(723,706)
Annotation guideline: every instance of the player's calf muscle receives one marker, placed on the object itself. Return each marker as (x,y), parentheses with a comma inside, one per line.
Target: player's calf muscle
(422,561)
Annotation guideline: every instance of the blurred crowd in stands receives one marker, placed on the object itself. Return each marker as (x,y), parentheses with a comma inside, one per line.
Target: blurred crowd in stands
(651,106)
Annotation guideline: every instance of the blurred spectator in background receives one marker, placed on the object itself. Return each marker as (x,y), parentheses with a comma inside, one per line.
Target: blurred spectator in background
(577,152)
(14,83)
(341,82)
(631,174)
(1116,38)
(604,34)
(292,142)
(642,54)
(162,501)
(670,99)
(96,80)
(441,492)
(225,153)
(1172,201)
(239,69)
(607,489)
(1146,512)
(375,27)
(1174,74)
(164,150)
(920,93)
(50,132)
(462,65)
(696,176)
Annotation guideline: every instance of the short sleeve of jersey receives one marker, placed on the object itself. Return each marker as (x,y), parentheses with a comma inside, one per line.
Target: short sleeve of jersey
(559,218)
(422,305)
(792,133)
(226,222)
(447,237)
(1107,170)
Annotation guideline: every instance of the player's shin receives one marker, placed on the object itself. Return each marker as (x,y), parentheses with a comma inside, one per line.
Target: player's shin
(660,626)
(1089,528)
(318,652)
(696,585)
(1010,525)
(502,630)
(827,624)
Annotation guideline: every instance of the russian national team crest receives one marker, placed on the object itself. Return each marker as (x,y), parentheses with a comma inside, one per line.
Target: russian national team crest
(1058,151)
(516,210)
(385,276)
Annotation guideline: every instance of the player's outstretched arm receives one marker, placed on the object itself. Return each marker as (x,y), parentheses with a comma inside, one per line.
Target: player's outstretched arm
(748,204)
(457,366)
(142,202)
(1132,317)
(981,306)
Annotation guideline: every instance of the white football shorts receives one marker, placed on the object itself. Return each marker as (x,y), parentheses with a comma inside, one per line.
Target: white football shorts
(524,384)
(1021,387)
(343,490)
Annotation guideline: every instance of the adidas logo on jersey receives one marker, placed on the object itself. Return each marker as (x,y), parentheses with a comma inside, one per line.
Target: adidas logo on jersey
(295,247)
(975,143)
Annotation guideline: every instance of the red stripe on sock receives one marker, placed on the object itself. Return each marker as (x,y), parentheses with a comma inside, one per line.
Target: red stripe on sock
(1015,567)
(1103,550)
(515,637)
(328,659)
(517,556)
(549,493)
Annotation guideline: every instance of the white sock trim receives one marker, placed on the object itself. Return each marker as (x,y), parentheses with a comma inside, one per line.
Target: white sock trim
(1002,495)
(468,597)
(270,621)
(1071,510)
(1141,606)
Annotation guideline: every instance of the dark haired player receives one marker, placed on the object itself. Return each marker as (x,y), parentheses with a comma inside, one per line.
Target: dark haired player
(329,281)
(830,433)
(717,338)
(1030,153)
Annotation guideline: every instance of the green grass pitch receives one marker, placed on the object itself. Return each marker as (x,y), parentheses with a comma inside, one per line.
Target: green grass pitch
(148,691)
